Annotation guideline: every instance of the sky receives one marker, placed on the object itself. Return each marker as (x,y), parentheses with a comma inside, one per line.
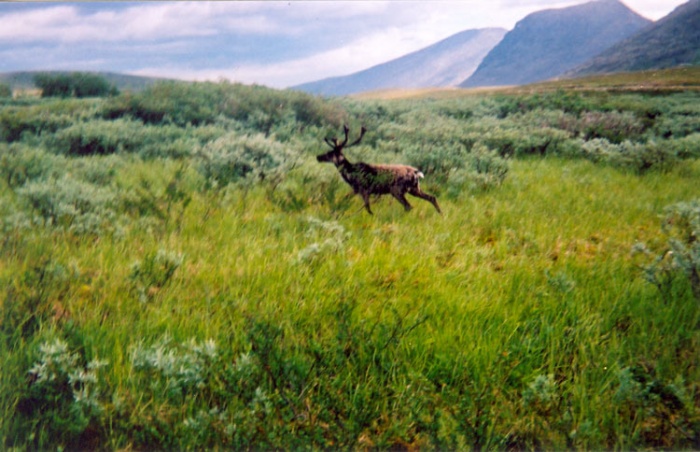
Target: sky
(278,44)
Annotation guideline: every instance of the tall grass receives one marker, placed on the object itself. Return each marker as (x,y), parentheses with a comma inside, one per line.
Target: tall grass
(266,309)
(512,321)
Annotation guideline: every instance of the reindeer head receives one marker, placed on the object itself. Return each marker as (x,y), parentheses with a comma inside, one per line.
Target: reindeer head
(336,156)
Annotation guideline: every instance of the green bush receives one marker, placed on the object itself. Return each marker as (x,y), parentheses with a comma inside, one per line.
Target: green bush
(681,256)
(482,170)
(99,137)
(29,298)
(638,157)
(153,272)
(76,84)
(5,90)
(254,108)
(64,398)
(614,126)
(20,164)
(72,205)
(19,122)
(102,137)
(233,158)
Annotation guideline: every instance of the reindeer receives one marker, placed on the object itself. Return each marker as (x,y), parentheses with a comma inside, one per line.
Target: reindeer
(366,179)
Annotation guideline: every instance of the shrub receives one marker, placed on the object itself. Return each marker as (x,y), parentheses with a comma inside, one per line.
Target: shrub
(58,85)
(64,396)
(153,272)
(175,370)
(614,126)
(102,137)
(99,137)
(681,257)
(567,101)
(5,90)
(483,170)
(77,84)
(234,158)
(438,161)
(330,239)
(677,126)
(541,395)
(638,157)
(72,205)
(686,147)
(658,406)
(91,85)
(517,141)
(19,122)
(20,164)
(254,107)
(30,298)
(179,103)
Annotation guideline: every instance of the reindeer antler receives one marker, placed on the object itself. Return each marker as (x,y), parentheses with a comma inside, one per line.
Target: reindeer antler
(362,133)
(333,142)
(346,130)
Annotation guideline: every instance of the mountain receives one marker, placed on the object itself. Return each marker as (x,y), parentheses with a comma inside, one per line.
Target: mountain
(672,41)
(549,43)
(445,63)
(123,82)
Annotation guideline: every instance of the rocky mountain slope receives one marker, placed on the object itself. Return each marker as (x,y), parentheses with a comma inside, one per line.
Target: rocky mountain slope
(549,43)
(445,63)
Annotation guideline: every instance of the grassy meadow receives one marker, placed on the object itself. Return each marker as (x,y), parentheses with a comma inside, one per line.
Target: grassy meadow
(179,272)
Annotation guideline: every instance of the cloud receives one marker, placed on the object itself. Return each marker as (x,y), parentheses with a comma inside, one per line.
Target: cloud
(279,43)
(356,55)
(151,21)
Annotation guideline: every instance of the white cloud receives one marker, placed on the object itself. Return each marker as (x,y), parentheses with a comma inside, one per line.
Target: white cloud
(653,9)
(275,43)
(151,21)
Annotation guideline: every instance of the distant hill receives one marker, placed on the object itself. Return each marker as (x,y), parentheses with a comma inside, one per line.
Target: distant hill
(672,41)
(123,82)
(549,43)
(445,63)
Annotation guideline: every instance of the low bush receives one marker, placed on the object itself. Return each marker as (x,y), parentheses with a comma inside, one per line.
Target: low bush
(76,84)
(5,90)
(150,274)
(64,398)
(20,164)
(19,122)
(234,158)
(681,255)
(482,170)
(72,205)
(638,157)
(99,137)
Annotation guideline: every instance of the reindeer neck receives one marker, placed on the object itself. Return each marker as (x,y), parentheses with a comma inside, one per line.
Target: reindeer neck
(348,170)
(345,166)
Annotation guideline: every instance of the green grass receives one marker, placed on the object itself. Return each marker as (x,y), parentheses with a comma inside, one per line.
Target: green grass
(179,272)
(392,330)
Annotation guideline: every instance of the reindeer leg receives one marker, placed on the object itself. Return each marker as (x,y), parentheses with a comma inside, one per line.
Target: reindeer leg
(417,192)
(365,198)
(402,199)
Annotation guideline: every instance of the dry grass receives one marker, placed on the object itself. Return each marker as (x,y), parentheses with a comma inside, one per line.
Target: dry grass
(662,81)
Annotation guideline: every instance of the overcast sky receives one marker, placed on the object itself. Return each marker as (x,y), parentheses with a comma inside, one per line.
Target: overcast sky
(278,44)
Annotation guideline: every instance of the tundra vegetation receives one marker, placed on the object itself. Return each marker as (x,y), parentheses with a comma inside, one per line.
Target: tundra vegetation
(177,271)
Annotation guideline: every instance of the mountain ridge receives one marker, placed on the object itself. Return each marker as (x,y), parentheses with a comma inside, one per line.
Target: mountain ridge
(669,42)
(547,43)
(444,63)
